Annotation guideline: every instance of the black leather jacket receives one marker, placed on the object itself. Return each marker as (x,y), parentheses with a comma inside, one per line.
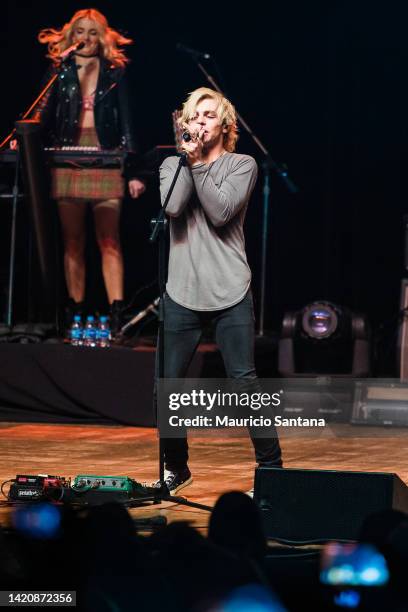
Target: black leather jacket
(60,109)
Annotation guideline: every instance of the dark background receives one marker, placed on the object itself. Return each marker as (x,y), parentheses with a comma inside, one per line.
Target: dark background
(324,86)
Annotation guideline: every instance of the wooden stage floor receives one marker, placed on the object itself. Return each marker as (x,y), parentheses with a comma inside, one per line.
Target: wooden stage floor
(218,464)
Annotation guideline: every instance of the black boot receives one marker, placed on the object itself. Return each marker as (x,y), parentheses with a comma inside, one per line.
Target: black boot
(116,317)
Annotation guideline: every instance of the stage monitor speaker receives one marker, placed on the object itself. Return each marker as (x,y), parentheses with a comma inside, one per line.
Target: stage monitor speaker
(311,505)
(381,404)
(402,345)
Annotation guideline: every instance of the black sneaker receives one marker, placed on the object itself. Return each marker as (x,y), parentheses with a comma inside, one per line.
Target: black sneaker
(175,481)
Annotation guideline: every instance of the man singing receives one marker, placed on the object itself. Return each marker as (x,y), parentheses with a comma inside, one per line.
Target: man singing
(209,277)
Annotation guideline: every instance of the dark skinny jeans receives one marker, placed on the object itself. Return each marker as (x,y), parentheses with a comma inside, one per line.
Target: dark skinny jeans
(235,335)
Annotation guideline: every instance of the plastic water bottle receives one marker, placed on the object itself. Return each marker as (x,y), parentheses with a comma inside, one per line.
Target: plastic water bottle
(103,333)
(76,331)
(89,332)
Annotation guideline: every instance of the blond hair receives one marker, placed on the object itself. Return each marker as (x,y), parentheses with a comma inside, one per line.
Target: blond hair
(225,111)
(110,40)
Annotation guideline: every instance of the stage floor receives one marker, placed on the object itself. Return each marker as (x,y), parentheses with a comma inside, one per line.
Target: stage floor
(218,464)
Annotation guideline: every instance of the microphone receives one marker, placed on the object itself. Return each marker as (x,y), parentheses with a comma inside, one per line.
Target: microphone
(71,50)
(186,136)
(193,52)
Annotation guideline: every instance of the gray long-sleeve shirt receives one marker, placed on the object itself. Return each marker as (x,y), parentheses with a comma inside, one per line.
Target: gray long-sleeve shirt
(208,268)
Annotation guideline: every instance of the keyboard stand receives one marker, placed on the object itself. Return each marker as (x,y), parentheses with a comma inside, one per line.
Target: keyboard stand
(15,196)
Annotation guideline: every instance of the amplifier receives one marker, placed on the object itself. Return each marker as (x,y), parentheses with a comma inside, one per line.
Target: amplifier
(377,403)
(324,397)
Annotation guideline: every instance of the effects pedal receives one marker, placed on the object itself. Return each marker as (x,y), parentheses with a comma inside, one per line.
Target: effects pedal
(36,487)
(104,483)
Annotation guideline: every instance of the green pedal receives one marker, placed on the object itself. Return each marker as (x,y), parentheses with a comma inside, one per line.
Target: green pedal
(86,482)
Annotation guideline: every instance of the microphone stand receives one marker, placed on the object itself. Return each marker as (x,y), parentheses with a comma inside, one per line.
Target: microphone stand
(16,195)
(68,54)
(140,315)
(267,165)
(32,107)
(158,234)
(15,198)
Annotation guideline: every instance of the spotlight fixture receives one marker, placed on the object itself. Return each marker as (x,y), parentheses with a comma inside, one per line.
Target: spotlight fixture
(320,320)
(324,339)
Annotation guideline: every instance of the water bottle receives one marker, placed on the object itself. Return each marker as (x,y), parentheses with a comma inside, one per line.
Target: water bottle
(76,331)
(103,333)
(89,332)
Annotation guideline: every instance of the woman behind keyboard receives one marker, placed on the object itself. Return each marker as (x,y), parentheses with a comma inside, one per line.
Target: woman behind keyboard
(88,106)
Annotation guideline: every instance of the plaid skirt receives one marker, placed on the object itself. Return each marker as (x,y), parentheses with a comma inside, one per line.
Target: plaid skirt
(87,183)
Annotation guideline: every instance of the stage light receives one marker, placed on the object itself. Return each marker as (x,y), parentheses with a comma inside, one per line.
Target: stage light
(319,320)
(324,339)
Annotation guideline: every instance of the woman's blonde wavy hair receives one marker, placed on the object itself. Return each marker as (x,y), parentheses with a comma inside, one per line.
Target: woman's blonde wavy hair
(225,111)
(110,40)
